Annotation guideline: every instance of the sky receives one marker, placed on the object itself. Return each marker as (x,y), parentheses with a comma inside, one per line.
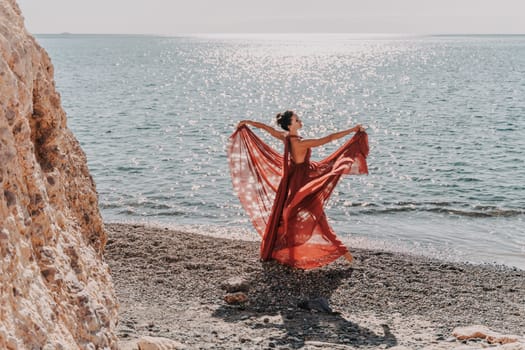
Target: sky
(172,17)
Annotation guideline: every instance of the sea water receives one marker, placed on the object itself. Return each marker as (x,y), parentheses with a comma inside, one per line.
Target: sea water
(445,117)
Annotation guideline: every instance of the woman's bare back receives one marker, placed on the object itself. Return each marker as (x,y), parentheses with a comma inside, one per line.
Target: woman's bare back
(298,153)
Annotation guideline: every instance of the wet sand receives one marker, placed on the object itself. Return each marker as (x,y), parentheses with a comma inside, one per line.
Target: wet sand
(170,284)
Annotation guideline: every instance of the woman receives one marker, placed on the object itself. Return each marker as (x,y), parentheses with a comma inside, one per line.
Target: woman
(284,195)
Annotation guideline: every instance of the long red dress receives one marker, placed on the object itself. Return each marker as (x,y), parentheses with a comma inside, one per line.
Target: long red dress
(285,200)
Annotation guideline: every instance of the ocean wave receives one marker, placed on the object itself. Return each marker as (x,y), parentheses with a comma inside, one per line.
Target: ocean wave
(136,204)
(471,212)
(450,208)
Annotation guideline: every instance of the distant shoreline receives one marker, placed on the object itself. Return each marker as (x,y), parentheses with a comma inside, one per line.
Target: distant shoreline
(370,36)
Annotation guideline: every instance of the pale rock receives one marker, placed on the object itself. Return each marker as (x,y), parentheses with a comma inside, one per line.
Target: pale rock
(157,343)
(512,346)
(235,284)
(482,332)
(127,345)
(55,288)
(314,344)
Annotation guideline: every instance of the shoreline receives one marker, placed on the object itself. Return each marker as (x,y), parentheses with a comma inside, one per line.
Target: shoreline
(170,284)
(476,254)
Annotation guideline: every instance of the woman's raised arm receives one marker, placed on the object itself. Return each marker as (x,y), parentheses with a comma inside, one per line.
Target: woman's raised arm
(275,133)
(309,143)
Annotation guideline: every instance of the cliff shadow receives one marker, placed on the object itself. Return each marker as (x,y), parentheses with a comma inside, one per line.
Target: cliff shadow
(293,305)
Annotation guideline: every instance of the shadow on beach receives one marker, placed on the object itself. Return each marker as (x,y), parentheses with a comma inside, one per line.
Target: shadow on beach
(294,303)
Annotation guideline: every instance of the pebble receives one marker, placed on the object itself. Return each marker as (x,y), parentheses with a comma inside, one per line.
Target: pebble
(235,298)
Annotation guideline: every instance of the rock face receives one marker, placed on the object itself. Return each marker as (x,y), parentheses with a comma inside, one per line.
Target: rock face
(55,289)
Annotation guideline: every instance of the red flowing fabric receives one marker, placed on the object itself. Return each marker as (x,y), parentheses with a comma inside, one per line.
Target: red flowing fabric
(285,200)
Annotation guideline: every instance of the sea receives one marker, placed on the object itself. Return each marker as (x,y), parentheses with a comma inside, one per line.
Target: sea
(445,117)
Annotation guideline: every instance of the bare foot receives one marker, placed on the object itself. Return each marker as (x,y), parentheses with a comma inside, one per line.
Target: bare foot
(349,257)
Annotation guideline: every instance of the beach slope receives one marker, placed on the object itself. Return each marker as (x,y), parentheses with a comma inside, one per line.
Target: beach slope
(172,284)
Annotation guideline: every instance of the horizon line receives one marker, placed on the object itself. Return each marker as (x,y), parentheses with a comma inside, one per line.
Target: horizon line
(284,33)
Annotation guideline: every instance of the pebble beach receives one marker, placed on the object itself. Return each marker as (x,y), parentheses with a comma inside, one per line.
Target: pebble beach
(173,285)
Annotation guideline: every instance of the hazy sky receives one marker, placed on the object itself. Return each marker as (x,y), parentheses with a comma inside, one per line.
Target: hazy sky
(170,17)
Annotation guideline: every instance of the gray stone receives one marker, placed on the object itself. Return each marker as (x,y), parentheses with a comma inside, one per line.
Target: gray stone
(235,284)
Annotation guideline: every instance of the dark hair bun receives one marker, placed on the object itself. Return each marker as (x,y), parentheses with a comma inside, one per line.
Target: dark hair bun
(285,119)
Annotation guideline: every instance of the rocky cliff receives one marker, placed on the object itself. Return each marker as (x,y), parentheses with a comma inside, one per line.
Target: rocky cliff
(55,289)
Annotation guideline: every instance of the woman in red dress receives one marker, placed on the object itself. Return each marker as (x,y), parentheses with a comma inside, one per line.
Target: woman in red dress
(284,195)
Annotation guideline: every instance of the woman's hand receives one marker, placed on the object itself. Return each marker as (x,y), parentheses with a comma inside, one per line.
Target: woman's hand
(243,122)
(359,127)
